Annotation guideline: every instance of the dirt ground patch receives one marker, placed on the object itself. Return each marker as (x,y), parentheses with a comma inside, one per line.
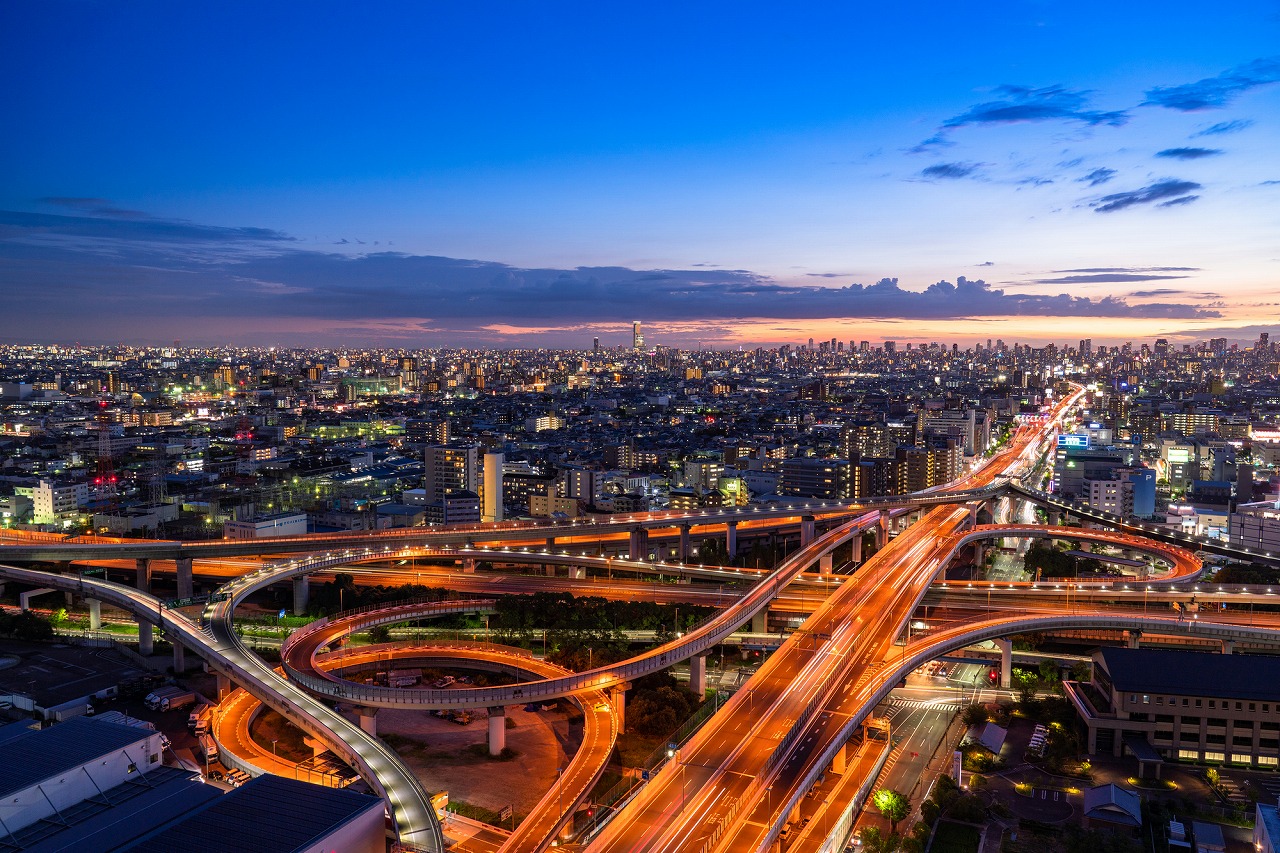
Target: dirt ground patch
(441,753)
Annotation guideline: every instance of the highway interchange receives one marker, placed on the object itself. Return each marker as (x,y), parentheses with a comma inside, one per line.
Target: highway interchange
(735,783)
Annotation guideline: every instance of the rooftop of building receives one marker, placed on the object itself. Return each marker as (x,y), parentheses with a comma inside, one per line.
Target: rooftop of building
(250,819)
(1163,671)
(45,753)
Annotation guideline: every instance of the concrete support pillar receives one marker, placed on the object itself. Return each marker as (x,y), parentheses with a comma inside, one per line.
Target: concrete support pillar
(24,598)
(368,720)
(497,730)
(68,598)
(760,622)
(95,614)
(146,643)
(549,570)
(807,530)
(731,539)
(979,552)
(186,578)
(882,530)
(179,658)
(618,699)
(682,551)
(1135,639)
(469,565)
(1005,646)
(824,564)
(551,543)
(698,675)
(578,572)
(855,555)
(301,594)
(973,516)
(794,815)
(144,574)
(1228,646)
(638,546)
(838,762)
(1055,517)
(224,686)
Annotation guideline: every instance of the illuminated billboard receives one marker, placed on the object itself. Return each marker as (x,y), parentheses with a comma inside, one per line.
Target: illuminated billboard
(1077,442)
(1178,455)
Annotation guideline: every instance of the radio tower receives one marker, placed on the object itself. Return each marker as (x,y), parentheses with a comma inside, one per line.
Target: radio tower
(104,479)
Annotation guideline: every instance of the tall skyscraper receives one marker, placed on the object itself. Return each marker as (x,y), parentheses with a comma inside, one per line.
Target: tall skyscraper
(451,468)
(491,506)
(637,339)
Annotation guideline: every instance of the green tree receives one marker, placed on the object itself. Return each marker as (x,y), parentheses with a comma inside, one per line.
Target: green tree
(892,805)
(974,715)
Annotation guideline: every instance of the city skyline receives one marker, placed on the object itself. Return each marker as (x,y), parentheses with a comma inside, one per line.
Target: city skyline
(503,177)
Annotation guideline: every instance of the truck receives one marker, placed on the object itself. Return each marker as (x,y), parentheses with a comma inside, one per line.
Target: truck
(169,698)
(209,747)
(199,712)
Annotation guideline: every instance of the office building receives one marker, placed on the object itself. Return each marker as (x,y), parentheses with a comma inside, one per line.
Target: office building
(451,468)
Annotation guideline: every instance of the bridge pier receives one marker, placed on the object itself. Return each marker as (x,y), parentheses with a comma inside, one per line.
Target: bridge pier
(824,564)
(144,574)
(855,551)
(368,720)
(95,614)
(24,598)
(549,569)
(301,594)
(698,675)
(979,552)
(469,565)
(838,761)
(638,544)
(497,730)
(731,539)
(224,686)
(682,551)
(807,530)
(186,577)
(973,516)
(1134,639)
(1005,645)
(1228,646)
(618,699)
(179,658)
(1055,517)
(551,543)
(882,529)
(146,640)
(760,622)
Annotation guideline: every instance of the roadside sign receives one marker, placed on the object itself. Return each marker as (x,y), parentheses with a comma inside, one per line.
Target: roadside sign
(174,603)
(504,813)
(280,615)
(94,570)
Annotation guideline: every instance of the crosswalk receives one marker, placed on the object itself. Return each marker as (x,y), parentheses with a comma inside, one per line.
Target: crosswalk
(932,704)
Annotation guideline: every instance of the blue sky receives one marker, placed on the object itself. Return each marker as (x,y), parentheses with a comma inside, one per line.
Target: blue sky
(730,173)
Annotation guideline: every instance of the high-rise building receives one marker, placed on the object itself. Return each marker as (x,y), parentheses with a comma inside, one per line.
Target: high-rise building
(491,496)
(451,468)
(637,339)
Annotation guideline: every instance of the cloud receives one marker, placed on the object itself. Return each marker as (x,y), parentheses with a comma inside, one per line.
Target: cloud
(1234,126)
(1216,92)
(139,228)
(1131,269)
(93,206)
(1021,103)
(1159,191)
(1097,177)
(1188,153)
(1160,291)
(986,264)
(949,171)
(1176,202)
(1106,278)
(933,143)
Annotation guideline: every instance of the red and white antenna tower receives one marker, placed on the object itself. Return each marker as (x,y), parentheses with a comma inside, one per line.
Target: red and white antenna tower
(104,483)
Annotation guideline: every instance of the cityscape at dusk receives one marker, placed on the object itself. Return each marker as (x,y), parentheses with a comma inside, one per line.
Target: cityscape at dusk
(718,428)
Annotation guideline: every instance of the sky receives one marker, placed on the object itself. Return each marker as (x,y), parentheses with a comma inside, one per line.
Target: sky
(517,174)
